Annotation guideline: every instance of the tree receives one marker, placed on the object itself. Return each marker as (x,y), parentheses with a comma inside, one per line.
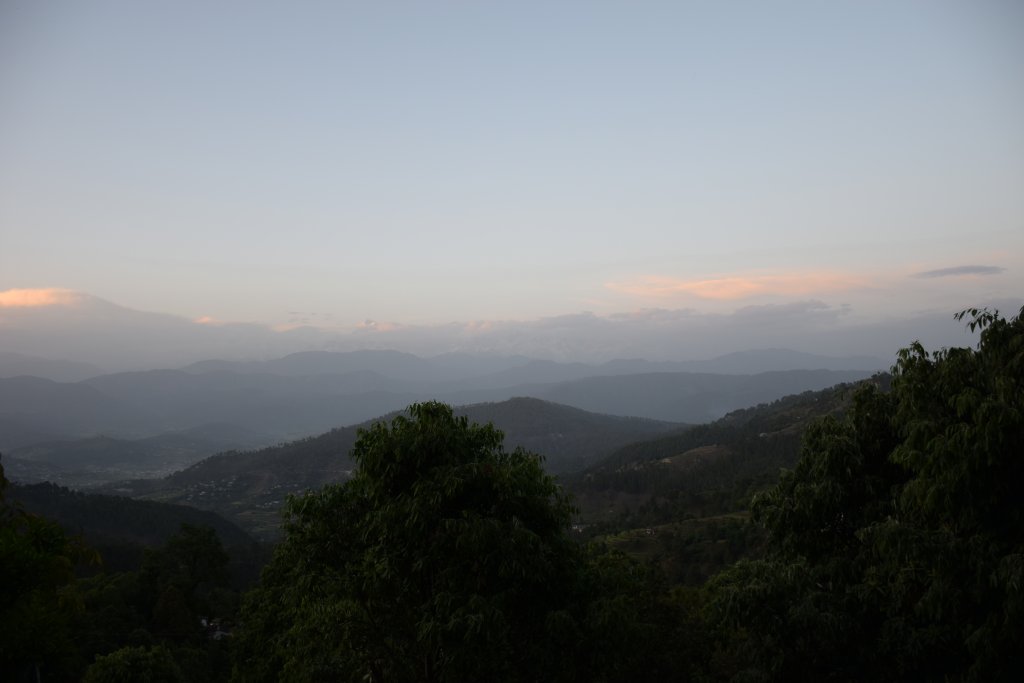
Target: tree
(444,558)
(127,614)
(434,562)
(897,542)
(184,579)
(38,596)
(135,665)
(951,559)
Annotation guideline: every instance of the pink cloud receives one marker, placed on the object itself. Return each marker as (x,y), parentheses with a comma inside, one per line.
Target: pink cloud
(34,298)
(739,287)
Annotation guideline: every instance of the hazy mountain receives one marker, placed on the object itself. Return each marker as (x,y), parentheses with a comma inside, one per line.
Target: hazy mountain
(89,462)
(136,405)
(249,487)
(529,373)
(281,405)
(20,364)
(386,363)
(32,406)
(774,360)
(225,434)
(30,472)
(476,364)
(16,431)
(309,393)
(690,397)
(80,327)
(463,371)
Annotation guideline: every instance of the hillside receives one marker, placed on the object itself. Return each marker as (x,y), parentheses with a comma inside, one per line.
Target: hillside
(249,487)
(682,498)
(103,519)
(120,528)
(570,439)
(93,461)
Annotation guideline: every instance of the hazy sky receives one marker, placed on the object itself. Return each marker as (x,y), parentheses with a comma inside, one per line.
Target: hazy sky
(426,162)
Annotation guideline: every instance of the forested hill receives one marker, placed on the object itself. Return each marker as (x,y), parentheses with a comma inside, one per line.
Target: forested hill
(570,439)
(707,469)
(249,487)
(93,461)
(103,519)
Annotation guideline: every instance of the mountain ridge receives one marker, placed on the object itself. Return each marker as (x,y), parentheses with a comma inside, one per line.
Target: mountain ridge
(138,404)
(567,437)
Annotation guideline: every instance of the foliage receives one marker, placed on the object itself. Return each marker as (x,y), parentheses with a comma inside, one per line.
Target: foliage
(187,570)
(106,521)
(249,487)
(135,665)
(38,596)
(162,604)
(138,625)
(750,445)
(682,501)
(445,558)
(897,541)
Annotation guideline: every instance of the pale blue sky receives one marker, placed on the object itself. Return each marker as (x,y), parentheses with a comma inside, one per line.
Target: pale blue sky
(425,162)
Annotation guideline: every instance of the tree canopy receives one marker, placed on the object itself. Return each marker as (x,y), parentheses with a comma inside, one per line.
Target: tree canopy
(444,558)
(38,596)
(897,541)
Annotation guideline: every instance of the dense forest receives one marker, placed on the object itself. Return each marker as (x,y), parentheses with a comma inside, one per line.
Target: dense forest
(890,548)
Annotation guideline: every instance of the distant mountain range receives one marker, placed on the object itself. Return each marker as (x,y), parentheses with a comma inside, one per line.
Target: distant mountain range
(508,370)
(311,392)
(19,364)
(65,324)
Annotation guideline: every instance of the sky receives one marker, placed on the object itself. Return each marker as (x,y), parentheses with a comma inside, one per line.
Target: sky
(379,165)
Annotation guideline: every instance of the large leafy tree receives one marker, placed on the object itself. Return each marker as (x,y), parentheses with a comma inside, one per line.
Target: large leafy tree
(438,560)
(898,539)
(444,558)
(184,580)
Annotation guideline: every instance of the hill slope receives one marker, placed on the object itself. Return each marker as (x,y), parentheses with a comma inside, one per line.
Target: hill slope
(682,498)
(249,487)
(105,521)
(97,460)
